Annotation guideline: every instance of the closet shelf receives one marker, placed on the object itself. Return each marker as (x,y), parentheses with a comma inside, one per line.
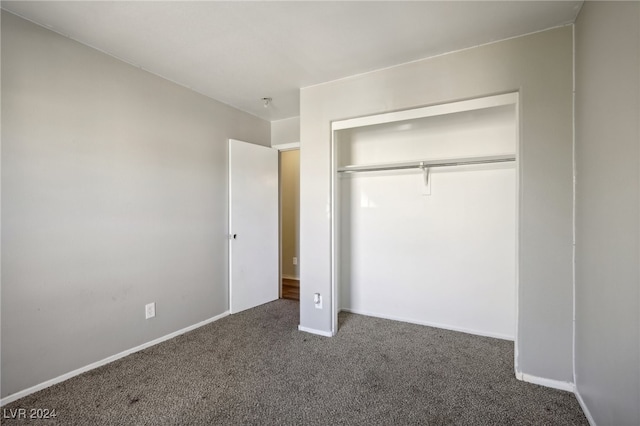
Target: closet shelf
(425,164)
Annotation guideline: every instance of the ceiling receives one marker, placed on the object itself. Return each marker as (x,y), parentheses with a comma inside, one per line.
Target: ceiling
(239,52)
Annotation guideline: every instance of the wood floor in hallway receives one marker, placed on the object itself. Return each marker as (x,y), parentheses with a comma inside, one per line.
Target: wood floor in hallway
(290,289)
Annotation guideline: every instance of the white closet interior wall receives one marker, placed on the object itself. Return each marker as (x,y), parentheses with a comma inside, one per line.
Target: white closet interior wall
(443,254)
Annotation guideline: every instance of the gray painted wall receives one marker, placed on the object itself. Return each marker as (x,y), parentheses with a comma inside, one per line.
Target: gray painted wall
(114,195)
(608,211)
(285,131)
(539,66)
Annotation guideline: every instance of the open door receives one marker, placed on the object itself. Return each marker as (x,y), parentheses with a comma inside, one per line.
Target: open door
(253,225)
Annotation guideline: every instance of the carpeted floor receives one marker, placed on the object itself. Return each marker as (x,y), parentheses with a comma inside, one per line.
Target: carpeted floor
(256,368)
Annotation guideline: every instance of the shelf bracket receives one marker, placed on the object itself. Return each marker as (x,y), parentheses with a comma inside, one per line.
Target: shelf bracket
(425,173)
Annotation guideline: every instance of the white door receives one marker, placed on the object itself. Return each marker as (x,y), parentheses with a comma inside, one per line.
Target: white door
(253,225)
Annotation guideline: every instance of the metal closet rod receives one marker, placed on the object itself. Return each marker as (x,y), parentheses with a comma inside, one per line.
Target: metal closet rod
(429,163)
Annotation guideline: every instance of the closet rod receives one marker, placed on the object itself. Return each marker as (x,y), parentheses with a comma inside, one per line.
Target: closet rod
(428,164)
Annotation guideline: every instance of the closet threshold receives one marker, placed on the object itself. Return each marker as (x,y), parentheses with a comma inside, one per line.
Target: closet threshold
(463,161)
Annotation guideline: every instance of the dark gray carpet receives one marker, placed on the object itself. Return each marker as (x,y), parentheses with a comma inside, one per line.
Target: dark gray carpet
(256,368)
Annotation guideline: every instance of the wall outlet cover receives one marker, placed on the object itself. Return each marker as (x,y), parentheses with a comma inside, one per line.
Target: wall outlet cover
(150,310)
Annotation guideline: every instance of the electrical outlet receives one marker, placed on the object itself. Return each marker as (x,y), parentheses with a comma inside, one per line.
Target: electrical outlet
(150,310)
(317,300)
(295,260)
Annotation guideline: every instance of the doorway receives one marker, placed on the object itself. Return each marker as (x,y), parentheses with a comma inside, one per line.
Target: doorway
(290,224)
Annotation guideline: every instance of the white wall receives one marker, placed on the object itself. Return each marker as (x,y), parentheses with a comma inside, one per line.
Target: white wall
(114,188)
(440,254)
(285,131)
(539,66)
(608,211)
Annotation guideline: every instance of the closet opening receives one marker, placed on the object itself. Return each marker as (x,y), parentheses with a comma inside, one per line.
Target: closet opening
(425,209)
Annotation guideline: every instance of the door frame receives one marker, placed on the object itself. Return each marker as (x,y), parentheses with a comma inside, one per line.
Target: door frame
(281,148)
(510,98)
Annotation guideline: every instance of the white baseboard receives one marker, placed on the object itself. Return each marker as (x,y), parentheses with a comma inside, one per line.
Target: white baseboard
(431,324)
(20,394)
(585,410)
(290,277)
(550,383)
(314,331)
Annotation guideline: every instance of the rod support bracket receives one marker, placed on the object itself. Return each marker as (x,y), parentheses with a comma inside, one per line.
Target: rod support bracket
(425,173)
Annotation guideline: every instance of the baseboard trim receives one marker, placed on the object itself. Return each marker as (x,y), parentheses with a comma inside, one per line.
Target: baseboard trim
(430,324)
(314,331)
(290,277)
(550,383)
(21,394)
(584,407)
